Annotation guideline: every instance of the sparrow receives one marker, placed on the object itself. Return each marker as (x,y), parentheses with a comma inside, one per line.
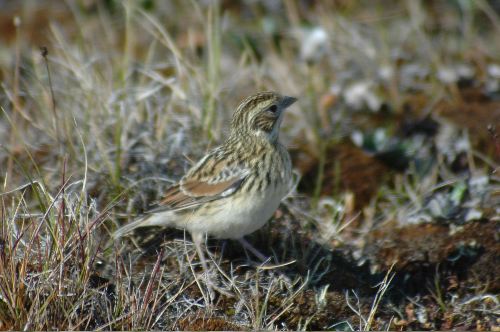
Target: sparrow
(235,188)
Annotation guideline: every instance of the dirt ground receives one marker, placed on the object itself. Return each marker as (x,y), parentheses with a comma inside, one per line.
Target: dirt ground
(394,223)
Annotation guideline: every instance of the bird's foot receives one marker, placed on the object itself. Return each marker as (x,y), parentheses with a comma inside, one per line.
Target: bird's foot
(263,258)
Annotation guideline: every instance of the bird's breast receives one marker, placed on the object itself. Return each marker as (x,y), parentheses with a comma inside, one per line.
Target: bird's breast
(251,206)
(240,214)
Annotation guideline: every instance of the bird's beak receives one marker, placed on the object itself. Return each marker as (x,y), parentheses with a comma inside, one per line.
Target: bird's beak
(287,101)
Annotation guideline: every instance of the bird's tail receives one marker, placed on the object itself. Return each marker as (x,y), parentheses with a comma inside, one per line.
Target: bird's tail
(144,221)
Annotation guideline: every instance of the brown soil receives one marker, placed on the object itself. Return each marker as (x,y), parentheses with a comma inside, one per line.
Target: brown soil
(475,112)
(471,253)
(347,168)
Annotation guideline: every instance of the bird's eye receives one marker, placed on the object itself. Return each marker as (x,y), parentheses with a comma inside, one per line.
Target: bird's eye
(273,109)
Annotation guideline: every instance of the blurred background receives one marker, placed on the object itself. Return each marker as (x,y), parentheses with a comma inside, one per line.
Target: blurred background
(394,140)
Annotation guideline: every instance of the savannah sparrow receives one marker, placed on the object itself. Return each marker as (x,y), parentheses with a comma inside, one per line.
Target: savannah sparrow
(236,187)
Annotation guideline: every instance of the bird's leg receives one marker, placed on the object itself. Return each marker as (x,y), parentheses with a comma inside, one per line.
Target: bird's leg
(253,250)
(198,239)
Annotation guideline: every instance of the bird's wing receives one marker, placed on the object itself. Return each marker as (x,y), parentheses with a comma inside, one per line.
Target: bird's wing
(210,179)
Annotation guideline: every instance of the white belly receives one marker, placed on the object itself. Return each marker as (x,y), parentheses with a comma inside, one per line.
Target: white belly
(242,216)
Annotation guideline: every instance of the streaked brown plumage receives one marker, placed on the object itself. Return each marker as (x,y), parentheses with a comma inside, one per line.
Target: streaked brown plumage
(236,187)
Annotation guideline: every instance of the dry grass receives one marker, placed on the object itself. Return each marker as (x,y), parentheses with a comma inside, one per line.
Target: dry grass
(129,95)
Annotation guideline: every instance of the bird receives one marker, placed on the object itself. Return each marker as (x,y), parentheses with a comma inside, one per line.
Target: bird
(236,187)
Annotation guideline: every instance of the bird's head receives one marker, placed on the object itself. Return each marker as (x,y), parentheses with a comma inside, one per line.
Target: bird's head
(261,115)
